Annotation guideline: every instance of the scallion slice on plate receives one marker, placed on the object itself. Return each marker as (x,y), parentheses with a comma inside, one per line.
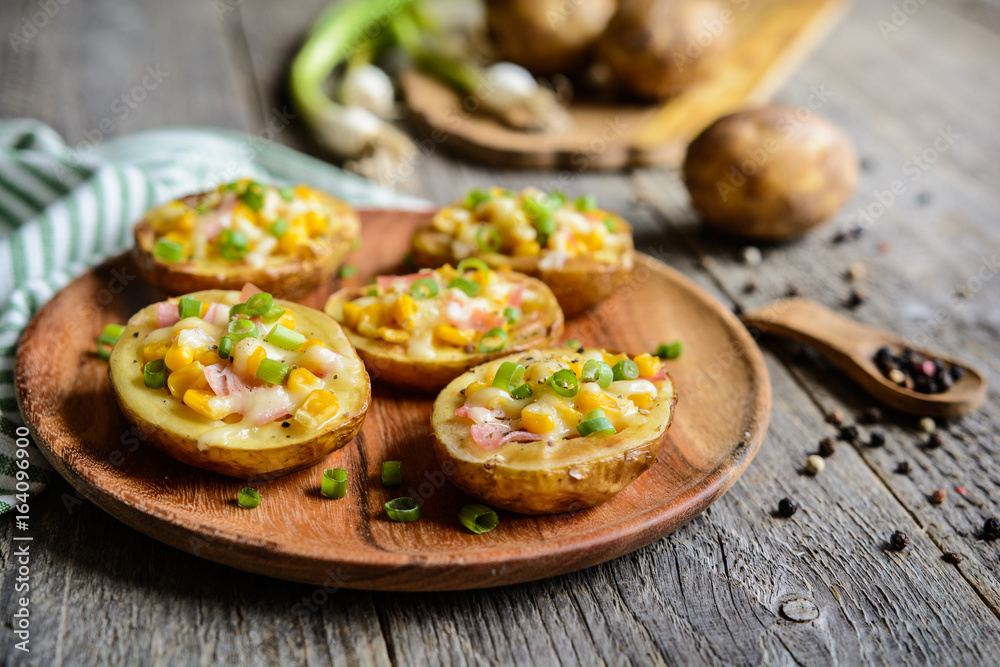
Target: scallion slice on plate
(403,510)
(248,498)
(334,483)
(392,473)
(478,519)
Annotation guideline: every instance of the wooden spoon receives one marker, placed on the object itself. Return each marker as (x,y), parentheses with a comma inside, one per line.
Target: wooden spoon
(852,346)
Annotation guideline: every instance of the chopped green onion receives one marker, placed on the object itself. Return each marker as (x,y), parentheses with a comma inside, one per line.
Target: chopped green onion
(512,315)
(489,239)
(232,244)
(493,340)
(248,498)
(671,351)
(273,314)
(253,196)
(202,207)
(611,225)
(168,251)
(372,291)
(278,227)
(595,423)
(626,369)
(240,329)
(114,331)
(478,519)
(231,187)
(573,343)
(106,341)
(334,483)
(508,376)
(475,197)
(403,510)
(472,264)
(545,225)
(521,392)
(533,207)
(154,374)
(259,304)
(424,288)
(238,309)
(564,382)
(599,372)
(225,347)
(188,307)
(392,473)
(347,270)
(273,371)
(286,193)
(470,288)
(285,338)
(586,203)
(555,200)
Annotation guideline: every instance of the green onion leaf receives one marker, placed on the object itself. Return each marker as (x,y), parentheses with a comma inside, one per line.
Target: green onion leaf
(403,510)
(626,369)
(464,284)
(113,331)
(273,314)
(564,382)
(671,351)
(154,374)
(273,371)
(188,307)
(555,200)
(238,309)
(478,519)
(285,338)
(371,291)
(253,196)
(475,197)
(287,193)
(533,207)
(248,498)
(599,372)
(512,315)
(573,343)
(392,473)
(595,423)
(347,270)
(168,251)
(521,392)
(545,225)
(232,244)
(278,227)
(611,225)
(489,239)
(508,376)
(106,341)
(493,340)
(334,483)
(586,203)
(472,264)
(240,329)
(259,304)
(424,288)
(225,347)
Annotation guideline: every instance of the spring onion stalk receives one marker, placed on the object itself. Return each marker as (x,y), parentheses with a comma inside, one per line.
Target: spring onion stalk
(232,244)
(273,314)
(347,270)
(424,288)
(475,197)
(470,288)
(106,341)
(586,203)
(154,374)
(371,146)
(259,304)
(508,376)
(488,238)
(610,225)
(472,264)
(273,371)
(595,423)
(168,251)
(188,307)
(671,351)
(253,195)
(238,309)
(248,498)
(626,369)
(521,392)
(478,519)
(403,510)
(240,329)
(283,337)
(573,343)
(225,346)
(334,483)
(493,340)
(512,315)
(392,473)
(564,382)
(287,193)
(599,372)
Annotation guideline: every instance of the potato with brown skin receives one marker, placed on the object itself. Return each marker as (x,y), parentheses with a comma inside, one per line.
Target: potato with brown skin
(547,36)
(273,449)
(540,477)
(291,276)
(770,173)
(658,48)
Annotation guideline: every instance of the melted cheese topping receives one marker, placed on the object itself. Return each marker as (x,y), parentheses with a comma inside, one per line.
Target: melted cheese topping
(533,223)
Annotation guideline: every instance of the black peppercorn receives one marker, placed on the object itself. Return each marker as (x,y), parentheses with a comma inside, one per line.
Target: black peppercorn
(792,291)
(749,287)
(952,557)
(939,496)
(991,529)
(903,468)
(836,418)
(871,416)
(838,238)
(737,310)
(849,433)
(899,540)
(935,441)
(856,298)
(827,447)
(787,507)
(876,439)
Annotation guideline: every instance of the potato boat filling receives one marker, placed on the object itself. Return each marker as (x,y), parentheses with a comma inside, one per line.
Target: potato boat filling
(594,393)
(533,223)
(471,308)
(244,364)
(245,222)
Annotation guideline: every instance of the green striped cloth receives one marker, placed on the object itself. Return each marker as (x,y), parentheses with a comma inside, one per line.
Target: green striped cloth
(64,209)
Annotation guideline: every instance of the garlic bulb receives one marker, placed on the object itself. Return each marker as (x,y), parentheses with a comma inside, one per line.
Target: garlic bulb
(368,87)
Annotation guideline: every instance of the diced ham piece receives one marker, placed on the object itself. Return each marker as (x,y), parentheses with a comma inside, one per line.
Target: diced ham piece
(217,314)
(249,289)
(516,296)
(462,411)
(324,358)
(491,436)
(267,405)
(388,282)
(479,414)
(660,375)
(166,314)
(483,320)
(223,381)
(519,436)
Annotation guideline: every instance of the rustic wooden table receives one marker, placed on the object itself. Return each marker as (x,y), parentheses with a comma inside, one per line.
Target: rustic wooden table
(917,86)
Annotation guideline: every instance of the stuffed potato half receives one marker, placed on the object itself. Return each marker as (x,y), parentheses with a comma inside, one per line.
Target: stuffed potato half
(584,254)
(224,389)
(422,330)
(287,240)
(552,430)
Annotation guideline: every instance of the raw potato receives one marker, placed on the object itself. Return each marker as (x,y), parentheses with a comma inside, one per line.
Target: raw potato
(579,285)
(538,478)
(770,173)
(388,362)
(282,276)
(658,48)
(175,428)
(547,36)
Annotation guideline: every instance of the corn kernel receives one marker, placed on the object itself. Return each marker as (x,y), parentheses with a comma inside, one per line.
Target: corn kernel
(589,401)
(290,241)
(352,314)
(474,387)
(452,336)
(177,357)
(593,240)
(537,422)
(185,221)
(305,192)
(640,400)
(207,357)
(527,249)
(393,335)
(191,376)
(318,409)
(301,379)
(377,313)
(287,320)
(648,365)
(447,272)
(253,361)
(403,310)
(612,359)
(154,351)
(315,223)
(312,342)
(201,402)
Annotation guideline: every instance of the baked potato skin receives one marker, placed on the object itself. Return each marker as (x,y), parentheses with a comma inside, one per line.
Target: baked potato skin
(289,278)
(770,173)
(584,481)
(388,362)
(578,286)
(658,48)
(174,429)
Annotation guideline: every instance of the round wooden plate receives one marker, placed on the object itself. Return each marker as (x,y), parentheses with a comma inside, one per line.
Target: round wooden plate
(298,534)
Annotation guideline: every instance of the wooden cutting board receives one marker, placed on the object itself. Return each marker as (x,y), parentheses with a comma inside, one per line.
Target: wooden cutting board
(298,534)
(771,38)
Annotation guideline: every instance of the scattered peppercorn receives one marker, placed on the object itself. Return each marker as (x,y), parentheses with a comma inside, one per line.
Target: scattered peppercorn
(792,291)
(903,468)
(857,232)
(838,238)
(899,540)
(849,433)
(827,447)
(856,298)
(836,418)
(787,507)
(991,528)
(749,287)
(939,496)
(912,370)
(815,464)
(935,440)
(877,439)
(737,310)
(952,557)
(871,416)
